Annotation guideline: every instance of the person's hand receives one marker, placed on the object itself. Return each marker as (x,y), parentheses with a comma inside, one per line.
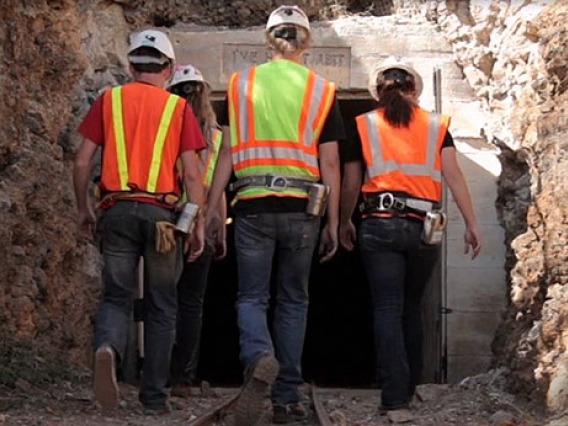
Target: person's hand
(472,241)
(348,235)
(221,242)
(212,219)
(87,222)
(328,243)
(216,236)
(195,241)
(220,246)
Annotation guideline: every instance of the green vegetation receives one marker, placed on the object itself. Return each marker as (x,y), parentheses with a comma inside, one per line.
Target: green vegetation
(24,360)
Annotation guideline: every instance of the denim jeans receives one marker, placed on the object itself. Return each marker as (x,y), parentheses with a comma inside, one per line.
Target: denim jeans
(191,292)
(287,242)
(398,266)
(127,232)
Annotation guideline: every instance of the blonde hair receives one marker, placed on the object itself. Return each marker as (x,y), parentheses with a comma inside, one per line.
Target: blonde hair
(285,46)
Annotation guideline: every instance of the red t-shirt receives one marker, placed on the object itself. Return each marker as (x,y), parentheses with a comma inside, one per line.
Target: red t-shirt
(92,127)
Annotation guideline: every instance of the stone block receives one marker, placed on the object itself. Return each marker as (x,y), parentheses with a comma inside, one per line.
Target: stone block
(493,247)
(462,366)
(471,289)
(483,205)
(471,333)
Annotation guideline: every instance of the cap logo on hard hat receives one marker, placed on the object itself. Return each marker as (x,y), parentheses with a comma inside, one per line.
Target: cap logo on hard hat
(187,73)
(377,75)
(153,39)
(288,15)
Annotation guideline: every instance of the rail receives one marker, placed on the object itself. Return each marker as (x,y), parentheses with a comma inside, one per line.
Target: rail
(215,414)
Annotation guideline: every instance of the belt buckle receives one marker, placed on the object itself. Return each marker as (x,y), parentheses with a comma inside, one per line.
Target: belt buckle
(385,201)
(277,183)
(398,204)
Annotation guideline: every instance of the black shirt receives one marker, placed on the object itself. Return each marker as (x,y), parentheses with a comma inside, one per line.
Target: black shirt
(332,131)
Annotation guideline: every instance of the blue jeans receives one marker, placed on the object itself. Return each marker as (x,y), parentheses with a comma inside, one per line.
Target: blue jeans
(287,241)
(398,266)
(127,231)
(191,292)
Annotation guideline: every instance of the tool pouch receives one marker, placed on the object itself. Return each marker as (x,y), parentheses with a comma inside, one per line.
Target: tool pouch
(318,195)
(165,237)
(187,218)
(433,228)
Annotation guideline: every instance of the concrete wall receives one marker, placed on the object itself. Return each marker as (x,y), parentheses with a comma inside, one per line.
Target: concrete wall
(344,51)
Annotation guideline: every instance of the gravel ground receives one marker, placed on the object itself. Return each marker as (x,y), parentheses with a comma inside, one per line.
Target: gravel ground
(70,404)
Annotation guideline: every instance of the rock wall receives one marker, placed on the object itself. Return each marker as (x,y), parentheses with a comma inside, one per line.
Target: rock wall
(240,13)
(45,280)
(514,55)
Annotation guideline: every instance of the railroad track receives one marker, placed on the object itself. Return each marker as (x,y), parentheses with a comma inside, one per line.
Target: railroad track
(219,412)
(215,414)
(322,416)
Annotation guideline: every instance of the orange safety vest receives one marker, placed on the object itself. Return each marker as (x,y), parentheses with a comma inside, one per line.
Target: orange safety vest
(405,159)
(277,111)
(142,127)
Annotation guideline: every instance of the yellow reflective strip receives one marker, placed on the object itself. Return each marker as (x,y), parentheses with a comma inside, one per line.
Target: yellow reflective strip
(212,156)
(159,142)
(118,124)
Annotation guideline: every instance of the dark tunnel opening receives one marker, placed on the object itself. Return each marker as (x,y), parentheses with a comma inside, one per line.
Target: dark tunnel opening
(338,348)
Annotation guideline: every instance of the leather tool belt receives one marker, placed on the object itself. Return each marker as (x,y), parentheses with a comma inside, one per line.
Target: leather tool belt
(389,203)
(274,183)
(111,197)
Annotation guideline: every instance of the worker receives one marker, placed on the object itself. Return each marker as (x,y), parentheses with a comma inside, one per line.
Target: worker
(281,128)
(143,130)
(406,151)
(188,83)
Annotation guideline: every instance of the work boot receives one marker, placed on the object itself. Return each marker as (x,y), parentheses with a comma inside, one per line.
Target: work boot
(157,410)
(257,385)
(398,414)
(288,413)
(105,385)
(181,390)
(383,411)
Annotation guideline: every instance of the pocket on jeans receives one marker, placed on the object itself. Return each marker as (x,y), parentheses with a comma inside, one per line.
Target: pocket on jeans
(379,232)
(250,231)
(307,230)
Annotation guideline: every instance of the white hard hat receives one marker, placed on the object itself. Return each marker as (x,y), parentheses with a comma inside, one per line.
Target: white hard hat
(288,15)
(150,38)
(185,73)
(390,63)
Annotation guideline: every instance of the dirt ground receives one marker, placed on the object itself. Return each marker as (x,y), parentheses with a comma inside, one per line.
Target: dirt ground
(71,404)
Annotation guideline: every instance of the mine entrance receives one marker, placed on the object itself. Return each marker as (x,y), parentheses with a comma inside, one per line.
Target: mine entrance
(339,348)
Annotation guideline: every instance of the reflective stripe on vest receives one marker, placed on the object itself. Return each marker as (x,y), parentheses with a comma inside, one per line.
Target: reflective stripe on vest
(370,126)
(290,146)
(118,125)
(212,156)
(159,141)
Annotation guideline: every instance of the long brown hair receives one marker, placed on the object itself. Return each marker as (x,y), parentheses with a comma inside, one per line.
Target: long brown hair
(198,96)
(395,98)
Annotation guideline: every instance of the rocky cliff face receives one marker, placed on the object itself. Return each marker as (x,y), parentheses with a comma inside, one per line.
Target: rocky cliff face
(56,56)
(514,56)
(46,281)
